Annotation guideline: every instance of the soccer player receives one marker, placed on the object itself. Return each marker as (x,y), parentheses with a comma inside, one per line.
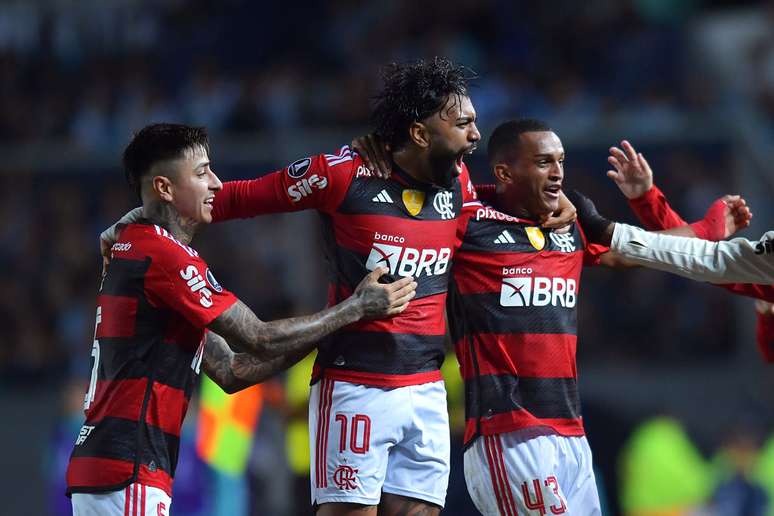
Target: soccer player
(156,303)
(378,422)
(512,314)
(377,416)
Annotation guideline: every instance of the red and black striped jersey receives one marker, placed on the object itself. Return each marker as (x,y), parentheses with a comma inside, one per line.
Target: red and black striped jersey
(513,319)
(152,309)
(400,223)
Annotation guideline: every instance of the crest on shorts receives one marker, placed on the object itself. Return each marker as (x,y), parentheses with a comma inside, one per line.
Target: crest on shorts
(345,477)
(536,237)
(413,200)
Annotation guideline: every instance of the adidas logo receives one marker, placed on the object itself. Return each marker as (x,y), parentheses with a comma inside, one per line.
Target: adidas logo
(504,238)
(382,196)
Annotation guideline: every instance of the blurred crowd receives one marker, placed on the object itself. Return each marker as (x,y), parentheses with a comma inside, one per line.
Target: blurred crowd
(90,73)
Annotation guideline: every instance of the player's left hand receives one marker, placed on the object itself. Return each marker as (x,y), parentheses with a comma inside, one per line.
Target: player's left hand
(375,154)
(632,173)
(724,217)
(562,218)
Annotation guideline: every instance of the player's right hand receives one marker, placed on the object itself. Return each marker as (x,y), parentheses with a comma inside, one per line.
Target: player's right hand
(375,154)
(632,173)
(378,300)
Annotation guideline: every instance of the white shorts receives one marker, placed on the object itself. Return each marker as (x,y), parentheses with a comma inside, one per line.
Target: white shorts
(531,472)
(366,440)
(135,500)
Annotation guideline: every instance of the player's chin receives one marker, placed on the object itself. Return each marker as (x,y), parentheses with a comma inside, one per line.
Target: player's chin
(205,217)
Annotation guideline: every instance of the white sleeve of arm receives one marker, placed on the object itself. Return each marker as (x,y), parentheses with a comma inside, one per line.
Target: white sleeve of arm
(111,233)
(733,261)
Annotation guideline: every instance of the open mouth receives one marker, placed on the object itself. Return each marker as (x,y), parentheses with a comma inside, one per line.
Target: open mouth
(209,201)
(553,191)
(461,157)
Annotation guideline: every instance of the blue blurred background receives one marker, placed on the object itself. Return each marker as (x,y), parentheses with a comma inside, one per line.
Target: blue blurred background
(677,402)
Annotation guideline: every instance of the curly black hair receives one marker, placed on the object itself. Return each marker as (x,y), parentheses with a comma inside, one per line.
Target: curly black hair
(156,143)
(413,92)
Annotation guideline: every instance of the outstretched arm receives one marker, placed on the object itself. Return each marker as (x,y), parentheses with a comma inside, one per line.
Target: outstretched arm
(236,371)
(734,261)
(371,299)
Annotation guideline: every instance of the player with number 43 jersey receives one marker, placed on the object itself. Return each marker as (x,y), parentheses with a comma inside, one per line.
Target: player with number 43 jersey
(513,319)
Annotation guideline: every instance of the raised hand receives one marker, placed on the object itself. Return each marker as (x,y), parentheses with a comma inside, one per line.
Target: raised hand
(380,300)
(632,173)
(375,154)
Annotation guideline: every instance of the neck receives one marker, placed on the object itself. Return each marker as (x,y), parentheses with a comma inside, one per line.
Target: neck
(410,162)
(166,216)
(503,204)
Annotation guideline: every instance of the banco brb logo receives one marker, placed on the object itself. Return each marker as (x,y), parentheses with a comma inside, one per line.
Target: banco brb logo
(407,261)
(537,291)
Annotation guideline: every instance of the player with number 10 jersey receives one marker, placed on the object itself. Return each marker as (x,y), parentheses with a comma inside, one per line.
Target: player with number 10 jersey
(378,418)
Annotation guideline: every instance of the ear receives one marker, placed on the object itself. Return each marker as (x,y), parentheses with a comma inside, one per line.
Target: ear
(162,185)
(503,173)
(418,133)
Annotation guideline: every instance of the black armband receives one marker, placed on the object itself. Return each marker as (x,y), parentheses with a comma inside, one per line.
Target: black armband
(594,224)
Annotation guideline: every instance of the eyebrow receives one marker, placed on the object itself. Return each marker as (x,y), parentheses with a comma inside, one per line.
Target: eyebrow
(468,118)
(202,164)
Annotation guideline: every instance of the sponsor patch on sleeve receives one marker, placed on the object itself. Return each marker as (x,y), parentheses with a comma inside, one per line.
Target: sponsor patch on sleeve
(299,168)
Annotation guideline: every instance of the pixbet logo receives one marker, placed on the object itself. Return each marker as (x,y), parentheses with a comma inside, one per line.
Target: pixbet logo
(306,187)
(407,261)
(489,213)
(196,283)
(536,291)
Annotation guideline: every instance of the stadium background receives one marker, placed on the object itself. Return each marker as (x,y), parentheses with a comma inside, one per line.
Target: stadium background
(689,82)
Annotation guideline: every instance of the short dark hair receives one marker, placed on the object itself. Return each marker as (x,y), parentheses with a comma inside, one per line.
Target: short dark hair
(504,143)
(414,91)
(159,142)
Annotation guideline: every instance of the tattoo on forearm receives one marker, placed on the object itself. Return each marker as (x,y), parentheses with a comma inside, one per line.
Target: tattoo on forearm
(240,326)
(236,371)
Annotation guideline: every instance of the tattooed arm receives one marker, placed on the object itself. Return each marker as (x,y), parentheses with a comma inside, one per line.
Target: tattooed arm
(266,340)
(237,371)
